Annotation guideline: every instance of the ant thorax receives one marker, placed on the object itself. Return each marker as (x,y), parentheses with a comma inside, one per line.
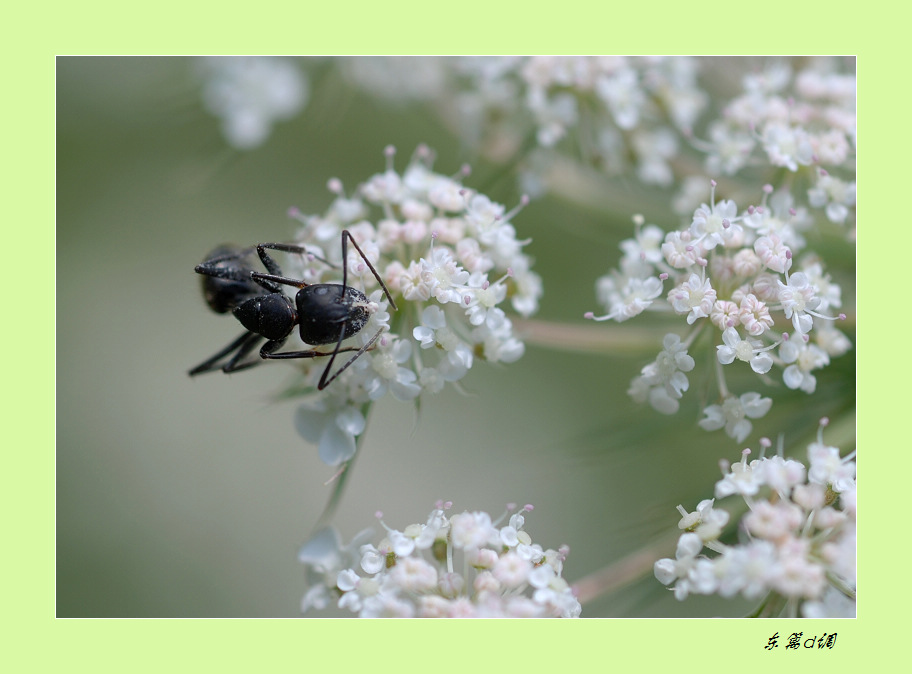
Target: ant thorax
(324,308)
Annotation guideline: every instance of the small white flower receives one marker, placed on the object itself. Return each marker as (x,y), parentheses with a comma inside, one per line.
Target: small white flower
(798,298)
(695,297)
(788,147)
(324,557)
(741,479)
(646,246)
(511,570)
(797,575)
(754,315)
(827,468)
(835,195)
(747,569)
(483,297)
(746,350)
(714,225)
(829,293)
(733,414)
(333,429)
(781,474)
(773,253)
(663,381)
(774,522)
(654,151)
(680,569)
(729,149)
(831,340)
(250,93)
(373,559)
(495,336)
(804,358)
(623,96)
(626,302)
(680,250)
(399,381)
(472,530)
(705,521)
(413,575)
(725,314)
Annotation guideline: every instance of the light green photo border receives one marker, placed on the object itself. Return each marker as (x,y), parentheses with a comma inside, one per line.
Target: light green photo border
(36,641)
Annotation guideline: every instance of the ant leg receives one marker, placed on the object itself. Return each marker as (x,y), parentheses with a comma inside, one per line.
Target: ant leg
(347,234)
(269,347)
(235,363)
(229,273)
(266,280)
(271,264)
(215,269)
(324,382)
(244,344)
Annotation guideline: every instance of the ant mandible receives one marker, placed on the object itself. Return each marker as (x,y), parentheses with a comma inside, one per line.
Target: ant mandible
(326,313)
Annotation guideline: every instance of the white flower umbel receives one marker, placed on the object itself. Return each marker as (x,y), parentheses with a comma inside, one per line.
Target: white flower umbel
(250,93)
(802,122)
(620,113)
(797,544)
(734,278)
(452,261)
(459,566)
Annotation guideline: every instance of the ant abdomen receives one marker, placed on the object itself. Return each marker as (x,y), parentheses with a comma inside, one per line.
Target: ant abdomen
(227,283)
(272,316)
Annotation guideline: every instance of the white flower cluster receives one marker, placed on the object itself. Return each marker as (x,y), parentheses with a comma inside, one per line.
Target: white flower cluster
(621,110)
(730,274)
(798,536)
(457,566)
(250,93)
(450,258)
(616,110)
(794,120)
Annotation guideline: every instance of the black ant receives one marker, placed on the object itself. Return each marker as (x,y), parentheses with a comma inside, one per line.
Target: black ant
(326,313)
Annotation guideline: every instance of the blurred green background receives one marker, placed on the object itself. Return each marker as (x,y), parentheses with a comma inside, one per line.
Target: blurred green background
(190,497)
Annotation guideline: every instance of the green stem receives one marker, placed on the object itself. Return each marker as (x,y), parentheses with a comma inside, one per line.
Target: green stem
(626,570)
(585,338)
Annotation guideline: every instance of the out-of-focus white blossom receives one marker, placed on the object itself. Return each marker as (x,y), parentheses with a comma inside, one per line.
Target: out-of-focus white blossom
(619,113)
(806,122)
(250,93)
